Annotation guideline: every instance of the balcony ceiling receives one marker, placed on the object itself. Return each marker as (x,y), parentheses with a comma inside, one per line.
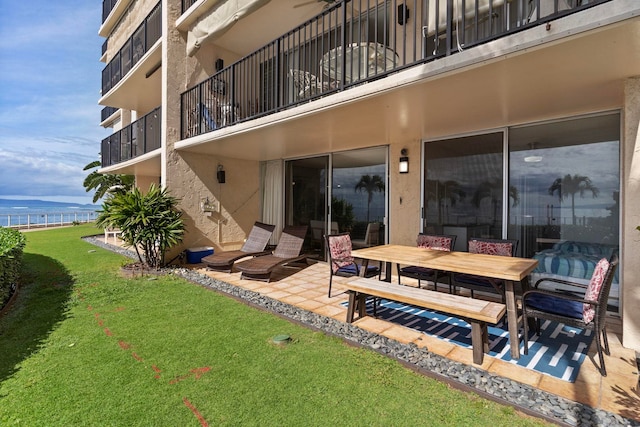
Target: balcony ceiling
(141,89)
(145,165)
(250,33)
(533,75)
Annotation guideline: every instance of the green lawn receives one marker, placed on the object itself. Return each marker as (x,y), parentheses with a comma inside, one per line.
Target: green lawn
(84,347)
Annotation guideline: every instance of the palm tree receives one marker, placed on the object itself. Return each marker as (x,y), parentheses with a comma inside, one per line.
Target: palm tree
(106,183)
(370,184)
(150,222)
(569,186)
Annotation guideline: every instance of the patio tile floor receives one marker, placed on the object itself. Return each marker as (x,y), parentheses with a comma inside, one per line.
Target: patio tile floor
(307,287)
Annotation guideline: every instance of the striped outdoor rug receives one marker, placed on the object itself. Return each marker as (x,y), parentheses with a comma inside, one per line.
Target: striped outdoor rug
(558,352)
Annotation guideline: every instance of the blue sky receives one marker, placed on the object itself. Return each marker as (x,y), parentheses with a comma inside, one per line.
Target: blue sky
(49,88)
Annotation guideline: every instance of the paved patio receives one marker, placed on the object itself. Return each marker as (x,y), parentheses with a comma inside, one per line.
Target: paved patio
(307,288)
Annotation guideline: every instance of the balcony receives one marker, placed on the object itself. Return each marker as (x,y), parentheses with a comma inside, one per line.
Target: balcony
(107,112)
(131,142)
(112,12)
(133,50)
(186,4)
(107,7)
(350,44)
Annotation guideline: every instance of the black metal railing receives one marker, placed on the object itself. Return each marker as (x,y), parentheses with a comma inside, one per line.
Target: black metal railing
(107,112)
(140,137)
(142,39)
(186,4)
(351,43)
(107,7)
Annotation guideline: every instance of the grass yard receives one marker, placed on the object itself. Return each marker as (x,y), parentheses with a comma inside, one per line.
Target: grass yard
(82,346)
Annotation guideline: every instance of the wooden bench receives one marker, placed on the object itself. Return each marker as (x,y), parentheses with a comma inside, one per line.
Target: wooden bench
(477,312)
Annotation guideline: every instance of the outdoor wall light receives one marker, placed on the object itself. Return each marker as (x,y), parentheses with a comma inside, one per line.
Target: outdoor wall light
(220,175)
(403,14)
(404,161)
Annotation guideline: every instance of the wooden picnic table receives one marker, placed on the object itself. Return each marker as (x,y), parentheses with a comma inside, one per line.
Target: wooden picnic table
(509,269)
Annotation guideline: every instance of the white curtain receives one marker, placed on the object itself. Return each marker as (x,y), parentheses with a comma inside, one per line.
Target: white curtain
(272,197)
(219,20)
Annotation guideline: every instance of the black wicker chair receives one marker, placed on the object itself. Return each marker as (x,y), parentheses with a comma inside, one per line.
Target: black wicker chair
(586,310)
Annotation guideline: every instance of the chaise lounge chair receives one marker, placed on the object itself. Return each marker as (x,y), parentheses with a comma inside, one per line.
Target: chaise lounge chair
(254,246)
(288,250)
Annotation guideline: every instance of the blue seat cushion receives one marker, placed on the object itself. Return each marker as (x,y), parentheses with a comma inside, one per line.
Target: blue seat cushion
(351,269)
(476,281)
(551,304)
(414,270)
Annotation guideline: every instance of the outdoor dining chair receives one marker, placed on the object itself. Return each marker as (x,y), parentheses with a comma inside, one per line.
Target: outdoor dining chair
(340,260)
(585,309)
(499,247)
(438,242)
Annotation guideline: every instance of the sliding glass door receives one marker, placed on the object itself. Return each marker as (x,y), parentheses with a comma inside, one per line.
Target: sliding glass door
(567,175)
(463,187)
(554,187)
(359,194)
(307,199)
(351,198)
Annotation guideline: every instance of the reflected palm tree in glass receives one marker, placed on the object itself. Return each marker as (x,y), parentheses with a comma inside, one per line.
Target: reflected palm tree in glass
(493,191)
(442,191)
(569,186)
(370,184)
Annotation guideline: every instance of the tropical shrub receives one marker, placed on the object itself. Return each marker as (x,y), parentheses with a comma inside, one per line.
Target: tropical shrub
(12,243)
(150,223)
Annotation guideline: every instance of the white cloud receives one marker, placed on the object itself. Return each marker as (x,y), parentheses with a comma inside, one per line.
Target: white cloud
(49,87)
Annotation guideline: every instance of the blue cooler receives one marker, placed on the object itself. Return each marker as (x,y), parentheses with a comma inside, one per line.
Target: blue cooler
(195,255)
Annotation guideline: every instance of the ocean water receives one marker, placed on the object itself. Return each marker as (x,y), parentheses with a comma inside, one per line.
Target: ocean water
(38,213)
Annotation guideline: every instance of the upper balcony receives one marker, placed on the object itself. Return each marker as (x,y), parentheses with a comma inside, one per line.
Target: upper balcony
(130,79)
(134,148)
(112,11)
(355,42)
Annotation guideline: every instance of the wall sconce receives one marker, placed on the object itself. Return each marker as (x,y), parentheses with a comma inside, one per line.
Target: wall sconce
(220,175)
(403,14)
(404,162)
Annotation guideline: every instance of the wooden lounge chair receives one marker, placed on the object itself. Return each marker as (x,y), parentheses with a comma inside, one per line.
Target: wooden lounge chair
(254,246)
(288,250)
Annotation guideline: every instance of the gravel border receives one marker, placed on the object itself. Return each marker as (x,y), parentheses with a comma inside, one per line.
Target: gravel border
(522,397)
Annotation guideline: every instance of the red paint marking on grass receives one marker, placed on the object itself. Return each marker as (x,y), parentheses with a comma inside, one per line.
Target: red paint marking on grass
(157,371)
(119,309)
(193,409)
(124,345)
(108,332)
(100,322)
(135,356)
(197,373)
(200,371)
(89,307)
(97,315)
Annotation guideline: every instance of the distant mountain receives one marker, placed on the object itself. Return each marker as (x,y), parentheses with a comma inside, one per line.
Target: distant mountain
(42,204)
